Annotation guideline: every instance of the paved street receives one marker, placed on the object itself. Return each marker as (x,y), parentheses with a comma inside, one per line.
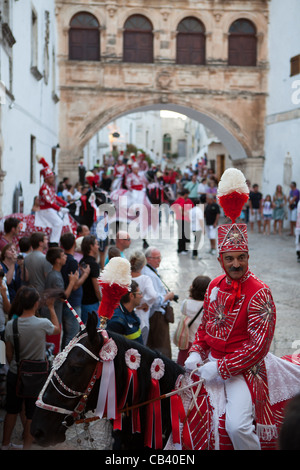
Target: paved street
(272,259)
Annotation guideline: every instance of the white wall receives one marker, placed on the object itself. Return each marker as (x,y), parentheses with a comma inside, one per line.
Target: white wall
(282,123)
(33,110)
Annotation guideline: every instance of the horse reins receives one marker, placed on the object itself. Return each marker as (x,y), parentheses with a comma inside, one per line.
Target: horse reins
(80,407)
(84,395)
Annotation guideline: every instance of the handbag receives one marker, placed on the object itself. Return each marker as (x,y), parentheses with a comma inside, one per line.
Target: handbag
(181,335)
(169,314)
(32,374)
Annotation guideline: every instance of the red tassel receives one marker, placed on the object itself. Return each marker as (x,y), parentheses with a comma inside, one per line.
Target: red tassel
(177,417)
(233,204)
(154,417)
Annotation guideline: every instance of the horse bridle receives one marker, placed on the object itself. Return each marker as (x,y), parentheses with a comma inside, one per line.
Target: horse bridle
(80,407)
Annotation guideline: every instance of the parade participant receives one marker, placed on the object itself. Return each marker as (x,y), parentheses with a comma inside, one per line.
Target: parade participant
(119,172)
(52,208)
(142,162)
(237,328)
(124,320)
(133,204)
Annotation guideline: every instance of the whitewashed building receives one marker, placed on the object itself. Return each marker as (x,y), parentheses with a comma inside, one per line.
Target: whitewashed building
(282,142)
(142,129)
(29,99)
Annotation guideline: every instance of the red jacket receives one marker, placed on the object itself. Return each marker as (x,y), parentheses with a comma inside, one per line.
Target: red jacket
(181,207)
(49,199)
(236,327)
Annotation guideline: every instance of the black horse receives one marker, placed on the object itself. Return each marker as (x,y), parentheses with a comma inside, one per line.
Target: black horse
(75,376)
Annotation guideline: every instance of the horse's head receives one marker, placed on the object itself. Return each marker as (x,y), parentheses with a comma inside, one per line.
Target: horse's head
(66,388)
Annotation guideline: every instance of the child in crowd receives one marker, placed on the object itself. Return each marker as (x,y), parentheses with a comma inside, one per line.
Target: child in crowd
(267,211)
(191,307)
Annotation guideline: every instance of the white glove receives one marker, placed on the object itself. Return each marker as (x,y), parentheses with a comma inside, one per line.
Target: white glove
(193,361)
(63,210)
(208,371)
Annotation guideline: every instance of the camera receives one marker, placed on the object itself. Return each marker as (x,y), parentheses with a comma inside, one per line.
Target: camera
(175,298)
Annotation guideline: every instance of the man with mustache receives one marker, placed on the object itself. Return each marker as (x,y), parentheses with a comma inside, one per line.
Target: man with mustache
(233,339)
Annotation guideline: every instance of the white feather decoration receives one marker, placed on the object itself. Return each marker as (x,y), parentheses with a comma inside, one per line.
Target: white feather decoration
(117,271)
(232,180)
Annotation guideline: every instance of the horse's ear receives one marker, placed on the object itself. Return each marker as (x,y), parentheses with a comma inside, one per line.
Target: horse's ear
(91,325)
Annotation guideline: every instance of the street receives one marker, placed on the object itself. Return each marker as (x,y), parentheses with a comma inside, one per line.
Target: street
(272,259)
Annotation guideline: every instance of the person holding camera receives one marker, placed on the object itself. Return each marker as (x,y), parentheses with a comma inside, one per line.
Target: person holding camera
(159,334)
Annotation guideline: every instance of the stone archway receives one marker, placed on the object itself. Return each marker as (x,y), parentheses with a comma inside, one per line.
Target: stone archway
(244,146)
(230,100)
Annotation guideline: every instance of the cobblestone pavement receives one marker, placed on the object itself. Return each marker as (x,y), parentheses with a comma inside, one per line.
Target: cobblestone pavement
(272,259)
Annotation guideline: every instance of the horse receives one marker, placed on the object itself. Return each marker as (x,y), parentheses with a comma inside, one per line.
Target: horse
(27,225)
(74,387)
(83,210)
(182,403)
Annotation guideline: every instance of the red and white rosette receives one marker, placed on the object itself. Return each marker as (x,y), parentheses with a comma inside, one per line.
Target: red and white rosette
(107,391)
(114,282)
(132,361)
(157,371)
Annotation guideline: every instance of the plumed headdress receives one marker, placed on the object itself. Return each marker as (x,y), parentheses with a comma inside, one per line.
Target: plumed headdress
(114,281)
(233,193)
(46,171)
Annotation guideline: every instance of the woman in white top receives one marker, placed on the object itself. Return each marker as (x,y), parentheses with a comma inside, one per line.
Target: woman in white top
(138,261)
(191,307)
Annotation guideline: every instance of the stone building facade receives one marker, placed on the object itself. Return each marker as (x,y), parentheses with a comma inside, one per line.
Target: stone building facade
(137,56)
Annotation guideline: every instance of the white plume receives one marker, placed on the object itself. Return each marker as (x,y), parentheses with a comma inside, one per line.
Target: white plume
(117,271)
(232,180)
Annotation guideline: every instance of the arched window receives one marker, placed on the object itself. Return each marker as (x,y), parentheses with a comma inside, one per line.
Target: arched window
(84,37)
(190,42)
(242,43)
(138,40)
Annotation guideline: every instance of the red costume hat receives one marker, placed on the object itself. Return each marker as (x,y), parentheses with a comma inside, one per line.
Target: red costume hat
(46,171)
(233,193)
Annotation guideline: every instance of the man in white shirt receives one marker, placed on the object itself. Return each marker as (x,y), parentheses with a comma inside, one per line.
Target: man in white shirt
(159,334)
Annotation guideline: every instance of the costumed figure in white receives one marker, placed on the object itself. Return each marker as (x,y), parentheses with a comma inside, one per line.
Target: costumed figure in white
(245,382)
(119,172)
(133,204)
(53,212)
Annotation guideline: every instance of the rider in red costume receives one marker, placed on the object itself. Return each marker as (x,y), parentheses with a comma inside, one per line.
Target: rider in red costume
(52,207)
(234,338)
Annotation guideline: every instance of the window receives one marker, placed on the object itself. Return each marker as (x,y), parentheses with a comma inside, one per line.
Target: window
(84,37)
(295,65)
(242,43)
(32,158)
(167,144)
(190,42)
(138,40)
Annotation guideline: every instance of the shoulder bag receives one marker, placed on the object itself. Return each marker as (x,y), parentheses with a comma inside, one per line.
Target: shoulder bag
(181,335)
(32,374)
